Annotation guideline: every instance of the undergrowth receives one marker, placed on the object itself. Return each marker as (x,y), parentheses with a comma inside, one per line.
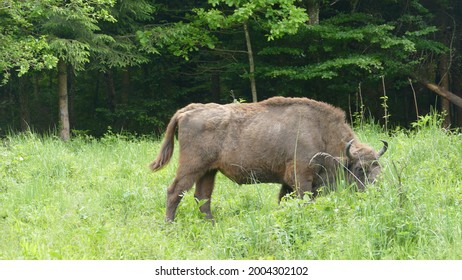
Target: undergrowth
(97,199)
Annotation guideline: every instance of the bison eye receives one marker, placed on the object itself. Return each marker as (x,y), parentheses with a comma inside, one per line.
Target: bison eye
(360,170)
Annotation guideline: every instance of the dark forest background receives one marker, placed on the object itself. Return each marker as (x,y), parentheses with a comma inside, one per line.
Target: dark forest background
(88,66)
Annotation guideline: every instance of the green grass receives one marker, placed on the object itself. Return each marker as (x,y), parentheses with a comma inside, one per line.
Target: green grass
(97,199)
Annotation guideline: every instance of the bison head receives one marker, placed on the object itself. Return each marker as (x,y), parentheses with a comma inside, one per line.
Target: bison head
(362,163)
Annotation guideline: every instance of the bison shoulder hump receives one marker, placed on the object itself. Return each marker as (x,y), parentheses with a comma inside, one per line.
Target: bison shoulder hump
(309,103)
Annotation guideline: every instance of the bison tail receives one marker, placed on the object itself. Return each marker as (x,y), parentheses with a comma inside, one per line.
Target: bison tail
(166,150)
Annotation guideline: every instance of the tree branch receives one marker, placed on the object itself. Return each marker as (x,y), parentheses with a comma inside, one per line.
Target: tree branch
(454,99)
(229,51)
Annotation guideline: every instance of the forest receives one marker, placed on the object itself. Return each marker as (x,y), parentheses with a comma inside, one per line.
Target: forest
(88,86)
(80,67)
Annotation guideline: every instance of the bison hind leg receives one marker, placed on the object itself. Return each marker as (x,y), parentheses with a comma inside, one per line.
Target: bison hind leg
(285,190)
(204,189)
(181,184)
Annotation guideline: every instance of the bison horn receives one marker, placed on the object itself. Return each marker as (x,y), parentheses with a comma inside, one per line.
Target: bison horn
(384,148)
(347,149)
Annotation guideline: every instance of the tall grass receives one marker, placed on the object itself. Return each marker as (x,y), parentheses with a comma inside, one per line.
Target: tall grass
(96,199)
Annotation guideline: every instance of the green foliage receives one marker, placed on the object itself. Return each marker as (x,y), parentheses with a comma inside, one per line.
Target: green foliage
(165,54)
(183,37)
(19,49)
(72,29)
(434,119)
(180,39)
(96,199)
(278,18)
(118,47)
(329,69)
(351,43)
(76,53)
(24,54)
(35,34)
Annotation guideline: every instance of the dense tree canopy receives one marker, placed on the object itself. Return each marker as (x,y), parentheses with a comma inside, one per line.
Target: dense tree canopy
(85,66)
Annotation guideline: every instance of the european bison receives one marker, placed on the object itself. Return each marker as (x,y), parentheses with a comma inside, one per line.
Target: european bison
(297,142)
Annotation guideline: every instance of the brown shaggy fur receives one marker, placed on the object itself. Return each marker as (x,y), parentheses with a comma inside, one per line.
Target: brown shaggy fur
(297,142)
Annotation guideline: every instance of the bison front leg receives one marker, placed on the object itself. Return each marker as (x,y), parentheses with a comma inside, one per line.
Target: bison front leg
(285,190)
(299,177)
(204,189)
(304,186)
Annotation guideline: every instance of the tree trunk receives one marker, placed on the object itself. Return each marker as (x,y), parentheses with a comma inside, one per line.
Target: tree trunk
(110,91)
(71,93)
(457,82)
(354,5)
(96,101)
(125,90)
(215,88)
(253,86)
(35,84)
(444,66)
(312,7)
(11,101)
(24,104)
(64,126)
(444,84)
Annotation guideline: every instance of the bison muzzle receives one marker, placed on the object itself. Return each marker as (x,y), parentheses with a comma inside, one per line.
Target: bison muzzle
(296,142)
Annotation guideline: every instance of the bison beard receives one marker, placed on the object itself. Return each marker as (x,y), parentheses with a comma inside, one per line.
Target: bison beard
(297,142)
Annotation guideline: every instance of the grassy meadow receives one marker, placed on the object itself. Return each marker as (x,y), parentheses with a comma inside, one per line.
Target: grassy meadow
(97,199)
